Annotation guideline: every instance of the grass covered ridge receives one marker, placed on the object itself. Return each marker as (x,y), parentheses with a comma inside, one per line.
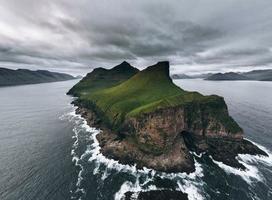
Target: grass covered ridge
(101,78)
(141,92)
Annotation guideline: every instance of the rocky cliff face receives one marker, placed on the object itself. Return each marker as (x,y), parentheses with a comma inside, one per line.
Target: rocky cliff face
(162,140)
(162,126)
(157,132)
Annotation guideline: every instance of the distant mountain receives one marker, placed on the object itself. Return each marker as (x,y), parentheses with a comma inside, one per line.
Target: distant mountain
(180,76)
(227,76)
(257,75)
(10,77)
(260,75)
(203,76)
(79,77)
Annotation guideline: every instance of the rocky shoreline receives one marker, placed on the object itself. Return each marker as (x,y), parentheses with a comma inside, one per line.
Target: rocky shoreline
(175,158)
(126,151)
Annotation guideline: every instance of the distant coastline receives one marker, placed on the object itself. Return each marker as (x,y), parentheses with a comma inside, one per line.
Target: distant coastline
(254,75)
(10,77)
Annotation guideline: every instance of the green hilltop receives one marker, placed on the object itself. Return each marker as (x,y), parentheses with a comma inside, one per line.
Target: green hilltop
(131,93)
(101,78)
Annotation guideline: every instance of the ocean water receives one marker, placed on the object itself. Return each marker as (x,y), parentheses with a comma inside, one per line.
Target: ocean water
(49,152)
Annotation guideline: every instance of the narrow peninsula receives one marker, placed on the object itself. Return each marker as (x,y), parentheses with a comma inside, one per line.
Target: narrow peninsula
(146,119)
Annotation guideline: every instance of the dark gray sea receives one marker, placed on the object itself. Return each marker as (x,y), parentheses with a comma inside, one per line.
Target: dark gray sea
(47,152)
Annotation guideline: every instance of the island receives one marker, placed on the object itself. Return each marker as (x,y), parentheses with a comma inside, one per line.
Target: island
(10,77)
(145,119)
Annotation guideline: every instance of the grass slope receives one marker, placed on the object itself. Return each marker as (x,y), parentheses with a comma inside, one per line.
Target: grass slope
(146,87)
(101,78)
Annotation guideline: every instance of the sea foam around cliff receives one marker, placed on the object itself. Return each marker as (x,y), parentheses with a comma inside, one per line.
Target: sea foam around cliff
(187,183)
(144,179)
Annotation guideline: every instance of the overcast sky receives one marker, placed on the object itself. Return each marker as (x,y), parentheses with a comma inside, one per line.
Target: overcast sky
(196,36)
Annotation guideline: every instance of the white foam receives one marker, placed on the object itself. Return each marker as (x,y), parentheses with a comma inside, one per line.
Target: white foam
(72,116)
(190,188)
(266,160)
(197,155)
(250,162)
(135,188)
(249,175)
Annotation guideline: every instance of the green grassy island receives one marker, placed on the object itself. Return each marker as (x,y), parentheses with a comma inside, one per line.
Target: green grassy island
(146,119)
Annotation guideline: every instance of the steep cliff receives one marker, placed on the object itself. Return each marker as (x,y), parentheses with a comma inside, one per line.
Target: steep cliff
(148,120)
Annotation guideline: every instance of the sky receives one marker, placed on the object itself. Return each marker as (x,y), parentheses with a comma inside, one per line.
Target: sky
(196,36)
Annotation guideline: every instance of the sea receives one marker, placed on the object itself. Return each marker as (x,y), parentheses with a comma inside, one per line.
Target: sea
(48,152)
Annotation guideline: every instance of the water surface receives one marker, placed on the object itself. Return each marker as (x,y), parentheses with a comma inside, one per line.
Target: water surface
(49,152)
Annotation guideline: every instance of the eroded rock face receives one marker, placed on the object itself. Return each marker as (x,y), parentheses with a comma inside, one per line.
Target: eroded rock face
(172,156)
(162,139)
(161,128)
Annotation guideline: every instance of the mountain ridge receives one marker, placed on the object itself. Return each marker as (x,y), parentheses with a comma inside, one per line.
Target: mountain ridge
(10,77)
(256,75)
(227,76)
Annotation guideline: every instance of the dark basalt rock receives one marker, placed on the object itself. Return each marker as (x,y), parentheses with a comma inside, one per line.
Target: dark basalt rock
(158,195)
(222,149)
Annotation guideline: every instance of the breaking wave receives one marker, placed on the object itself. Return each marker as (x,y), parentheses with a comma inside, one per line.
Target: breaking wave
(251,162)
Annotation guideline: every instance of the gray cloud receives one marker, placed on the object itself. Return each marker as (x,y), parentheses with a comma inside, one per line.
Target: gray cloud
(196,35)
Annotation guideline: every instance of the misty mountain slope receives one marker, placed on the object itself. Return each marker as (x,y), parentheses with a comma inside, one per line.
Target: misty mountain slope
(180,76)
(9,77)
(227,76)
(257,75)
(261,75)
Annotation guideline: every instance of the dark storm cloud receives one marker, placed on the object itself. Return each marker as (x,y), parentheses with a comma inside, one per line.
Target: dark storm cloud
(195,35)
